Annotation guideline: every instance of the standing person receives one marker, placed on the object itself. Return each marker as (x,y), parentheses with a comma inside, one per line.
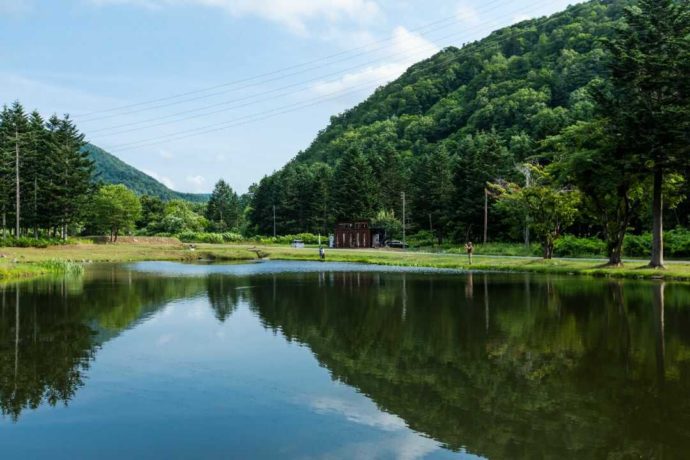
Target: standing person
(322,253)
(469,249)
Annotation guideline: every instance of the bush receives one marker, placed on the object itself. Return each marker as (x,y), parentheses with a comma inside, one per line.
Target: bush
(200,237)
(230,237)
(422,239)
(676,244)
(572,246)
(637,245)
(307,238)
(28,242)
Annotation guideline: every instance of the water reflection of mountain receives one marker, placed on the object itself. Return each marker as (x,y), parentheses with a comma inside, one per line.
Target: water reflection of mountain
(502,366)
(510,369)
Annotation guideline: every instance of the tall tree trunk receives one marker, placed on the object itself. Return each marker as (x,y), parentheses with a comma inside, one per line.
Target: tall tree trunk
(657,220)
(17,191)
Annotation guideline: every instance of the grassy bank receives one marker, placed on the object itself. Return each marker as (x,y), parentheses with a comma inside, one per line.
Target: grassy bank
(636,269)
(23,262)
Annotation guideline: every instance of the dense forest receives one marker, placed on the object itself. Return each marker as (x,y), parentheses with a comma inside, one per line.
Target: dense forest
(583,100)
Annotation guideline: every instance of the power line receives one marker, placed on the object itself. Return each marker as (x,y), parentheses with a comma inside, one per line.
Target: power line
(274,72)
(280,77)
(245,98)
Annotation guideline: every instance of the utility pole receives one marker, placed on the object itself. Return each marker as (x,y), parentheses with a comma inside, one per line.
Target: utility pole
(402,194)
(486,213)
(16,173)
(524,169)
(274,221)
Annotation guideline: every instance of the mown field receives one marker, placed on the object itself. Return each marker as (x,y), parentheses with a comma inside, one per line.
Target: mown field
(22,262)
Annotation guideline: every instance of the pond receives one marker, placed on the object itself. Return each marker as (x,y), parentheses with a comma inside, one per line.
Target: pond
(316,360)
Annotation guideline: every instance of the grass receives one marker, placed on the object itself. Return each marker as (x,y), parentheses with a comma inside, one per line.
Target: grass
(24,262)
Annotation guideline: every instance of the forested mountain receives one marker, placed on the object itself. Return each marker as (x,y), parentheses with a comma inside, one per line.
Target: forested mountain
(112,170)
(446,127)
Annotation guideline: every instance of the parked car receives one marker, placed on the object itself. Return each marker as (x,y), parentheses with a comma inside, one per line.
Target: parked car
(297,244)
(396,244)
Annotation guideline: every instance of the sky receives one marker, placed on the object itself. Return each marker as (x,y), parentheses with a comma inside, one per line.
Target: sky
(193,91)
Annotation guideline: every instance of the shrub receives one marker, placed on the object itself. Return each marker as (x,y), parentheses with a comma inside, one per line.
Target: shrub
(422,239)
(28,242)
(572,246)
(201,237)
(676,244)
(230,237)
(307,238)
(637,245)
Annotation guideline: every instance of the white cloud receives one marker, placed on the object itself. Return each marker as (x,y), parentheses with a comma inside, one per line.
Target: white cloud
(357,412)
(165,154)
(406,48)
(467,14)
(198,182)
(162,179)
(293,14)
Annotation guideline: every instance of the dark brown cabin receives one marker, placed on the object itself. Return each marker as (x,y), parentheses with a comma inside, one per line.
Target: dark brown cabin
(357,234)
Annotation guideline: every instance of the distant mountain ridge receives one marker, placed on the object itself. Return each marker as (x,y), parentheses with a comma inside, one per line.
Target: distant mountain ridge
(112,170)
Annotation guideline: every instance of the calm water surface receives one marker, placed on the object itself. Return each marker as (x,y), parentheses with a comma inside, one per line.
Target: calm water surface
(308,360)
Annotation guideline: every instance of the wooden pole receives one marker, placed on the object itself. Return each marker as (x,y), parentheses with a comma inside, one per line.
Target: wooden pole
(403,218)
(486,213)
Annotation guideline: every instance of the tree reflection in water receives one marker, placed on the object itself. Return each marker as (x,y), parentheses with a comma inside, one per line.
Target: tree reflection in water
(503,366)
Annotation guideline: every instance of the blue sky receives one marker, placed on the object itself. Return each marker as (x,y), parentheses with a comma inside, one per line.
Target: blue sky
(191,91)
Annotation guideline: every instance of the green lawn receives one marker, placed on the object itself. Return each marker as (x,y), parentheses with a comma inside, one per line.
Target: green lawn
(21,262)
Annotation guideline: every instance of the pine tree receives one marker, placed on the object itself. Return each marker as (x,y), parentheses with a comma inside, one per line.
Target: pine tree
(72,171)
(482,159)
(648,74)
(16,132)
(354,190)
(6,161)
(433,193)
(36,175)
(223,208)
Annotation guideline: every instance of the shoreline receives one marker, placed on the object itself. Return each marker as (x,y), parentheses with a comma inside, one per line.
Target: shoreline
(23,263)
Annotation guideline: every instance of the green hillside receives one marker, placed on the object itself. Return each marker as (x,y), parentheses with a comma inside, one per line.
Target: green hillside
(112,170)
(447,126)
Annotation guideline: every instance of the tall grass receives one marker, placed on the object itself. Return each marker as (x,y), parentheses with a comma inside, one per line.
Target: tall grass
(66,267)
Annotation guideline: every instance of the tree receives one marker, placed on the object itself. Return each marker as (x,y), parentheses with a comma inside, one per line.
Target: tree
(550,208)
(179,217)
(433,194)
(482,158)
(71,173)
(15,132)
(115,208)
(648,75)
(223,208)
(354,189)
(152,208)
(597,162)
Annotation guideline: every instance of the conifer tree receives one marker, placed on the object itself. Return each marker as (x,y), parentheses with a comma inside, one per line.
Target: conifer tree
(648,76)
(354,191)
(223,209)
(72,171)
